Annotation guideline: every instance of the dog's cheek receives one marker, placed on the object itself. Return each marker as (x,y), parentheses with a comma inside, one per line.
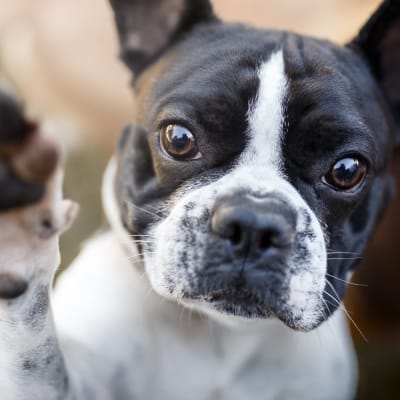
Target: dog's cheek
(304,303)
(180,243)
(307,268)
(350,238)
(140,197)
(372,208)
(166,263)
(135,165)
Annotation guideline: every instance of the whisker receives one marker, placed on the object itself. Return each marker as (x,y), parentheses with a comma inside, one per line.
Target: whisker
(348,282)
(153,207)
(142,253)
(140,236)
(341,252)
(345,258)
(343,308)
(146,211)
(326,305)
(354,323)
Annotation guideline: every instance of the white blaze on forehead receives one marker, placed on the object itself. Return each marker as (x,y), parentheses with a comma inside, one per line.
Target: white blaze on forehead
(266,115)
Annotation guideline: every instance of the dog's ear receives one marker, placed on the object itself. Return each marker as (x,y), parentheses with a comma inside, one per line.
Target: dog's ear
(379,43)
(146,28)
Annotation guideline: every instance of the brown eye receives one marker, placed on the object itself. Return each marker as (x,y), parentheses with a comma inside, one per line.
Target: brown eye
(346,173)
(178,142)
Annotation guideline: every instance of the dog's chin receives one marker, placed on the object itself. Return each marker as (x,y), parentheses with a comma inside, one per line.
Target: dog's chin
(242,313)
(238,305)
(241,310)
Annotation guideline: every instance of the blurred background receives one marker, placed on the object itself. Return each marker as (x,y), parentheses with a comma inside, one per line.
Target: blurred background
(61,57)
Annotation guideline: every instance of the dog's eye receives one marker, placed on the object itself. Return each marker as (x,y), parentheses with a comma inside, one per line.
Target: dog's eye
(179,143)
(346,174)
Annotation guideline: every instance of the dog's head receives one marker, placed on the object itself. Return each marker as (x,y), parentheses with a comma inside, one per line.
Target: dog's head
(256,167)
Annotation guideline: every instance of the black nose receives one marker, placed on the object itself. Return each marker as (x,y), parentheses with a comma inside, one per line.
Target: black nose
(254,225)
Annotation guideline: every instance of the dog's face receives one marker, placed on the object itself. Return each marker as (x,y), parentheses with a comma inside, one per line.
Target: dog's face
(257,164)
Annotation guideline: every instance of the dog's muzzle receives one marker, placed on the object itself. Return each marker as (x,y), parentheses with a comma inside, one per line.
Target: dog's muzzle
(254,237)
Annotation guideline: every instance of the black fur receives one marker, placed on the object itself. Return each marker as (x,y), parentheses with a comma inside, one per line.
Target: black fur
(379,42)
(14,127)
(14,130)
(133,16)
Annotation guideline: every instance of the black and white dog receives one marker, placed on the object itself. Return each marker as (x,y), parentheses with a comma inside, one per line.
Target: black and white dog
(244,191)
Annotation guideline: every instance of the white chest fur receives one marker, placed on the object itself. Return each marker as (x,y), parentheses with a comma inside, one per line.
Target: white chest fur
(161,351)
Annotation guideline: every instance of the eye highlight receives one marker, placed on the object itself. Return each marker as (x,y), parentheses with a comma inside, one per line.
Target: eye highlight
(346,174)
(179,143)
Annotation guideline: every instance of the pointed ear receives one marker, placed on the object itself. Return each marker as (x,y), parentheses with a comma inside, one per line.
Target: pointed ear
(379,43)
(146,28)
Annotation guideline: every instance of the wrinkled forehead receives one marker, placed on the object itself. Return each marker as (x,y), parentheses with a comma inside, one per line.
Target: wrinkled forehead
(212,78)
(331,91)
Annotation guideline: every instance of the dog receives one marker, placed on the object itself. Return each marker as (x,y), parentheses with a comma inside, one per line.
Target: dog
(239,200)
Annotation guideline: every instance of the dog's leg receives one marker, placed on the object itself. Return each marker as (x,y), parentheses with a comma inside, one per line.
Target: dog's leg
(33,363)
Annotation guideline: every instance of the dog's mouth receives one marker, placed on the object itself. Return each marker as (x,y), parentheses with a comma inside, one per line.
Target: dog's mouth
(241,304)
(240,301)
(269,298)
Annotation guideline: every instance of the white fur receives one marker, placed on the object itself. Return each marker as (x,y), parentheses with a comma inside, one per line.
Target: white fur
(299,284)
(265,116)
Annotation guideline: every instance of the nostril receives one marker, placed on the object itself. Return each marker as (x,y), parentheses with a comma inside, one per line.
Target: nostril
(236,235)
(266,240)
(278,237)
(229,224)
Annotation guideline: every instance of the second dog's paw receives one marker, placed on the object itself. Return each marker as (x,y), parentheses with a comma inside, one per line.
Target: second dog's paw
(27,157)
(29,237)
(33,213)
(53,215)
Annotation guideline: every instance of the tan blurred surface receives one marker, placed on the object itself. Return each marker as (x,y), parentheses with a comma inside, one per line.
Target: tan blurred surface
(336,20)
(61,55)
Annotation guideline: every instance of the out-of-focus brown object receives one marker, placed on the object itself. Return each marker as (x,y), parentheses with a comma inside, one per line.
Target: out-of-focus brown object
(62,58)
(336,20)
(37,158)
